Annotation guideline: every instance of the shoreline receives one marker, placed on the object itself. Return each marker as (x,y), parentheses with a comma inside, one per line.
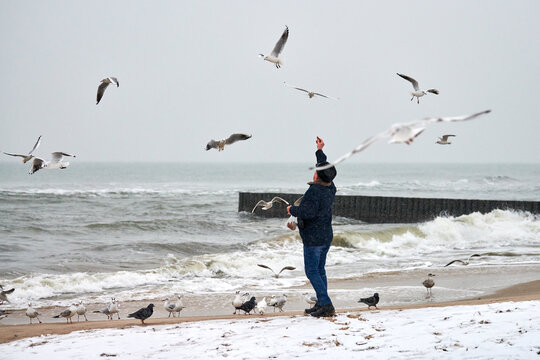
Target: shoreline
(525,291)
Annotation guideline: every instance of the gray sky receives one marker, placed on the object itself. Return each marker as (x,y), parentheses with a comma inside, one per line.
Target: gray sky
(189,72)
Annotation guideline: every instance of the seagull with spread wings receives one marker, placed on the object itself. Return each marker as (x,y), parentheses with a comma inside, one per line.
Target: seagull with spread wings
(277,275)
(444,140)
(274,55)
(401,133)
(464,262)
(417,92)
(265,205)
(104,83)
(54,163)
(311,94)
(220,144)
(29,156)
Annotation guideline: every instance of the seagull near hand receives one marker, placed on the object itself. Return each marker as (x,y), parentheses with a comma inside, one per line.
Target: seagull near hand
(401,133)
(277,275)
(274,56)
(29,156)
(311,94)
(444,140)
(104,83)
(265,205)
(220,144)
(417,92)
(54,163)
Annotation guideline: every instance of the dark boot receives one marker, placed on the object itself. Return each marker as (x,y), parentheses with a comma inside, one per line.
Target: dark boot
(310,310)
(325,310)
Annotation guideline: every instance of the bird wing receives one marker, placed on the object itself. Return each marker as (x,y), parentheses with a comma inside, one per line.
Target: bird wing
(433,91)
(278,199)
(236,137)
(8,291)
(453,261)
(101,90)
(37,164)
(286,268)
(449,118)
(266,267)
(36,145)
(115,81)
(259,203)
(281,43)
(445,137)
(325,96)
(19,155)
(413,82)
(212,144)
(298,201)
(358,149)
(473,255)
(58,156)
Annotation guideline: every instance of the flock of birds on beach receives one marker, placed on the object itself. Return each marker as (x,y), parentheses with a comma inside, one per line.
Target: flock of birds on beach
(397,133)
(174,304)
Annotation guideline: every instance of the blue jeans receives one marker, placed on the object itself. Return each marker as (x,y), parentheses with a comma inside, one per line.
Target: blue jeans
(314,262)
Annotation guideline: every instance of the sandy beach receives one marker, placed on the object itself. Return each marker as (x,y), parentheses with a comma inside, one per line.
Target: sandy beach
(525,291)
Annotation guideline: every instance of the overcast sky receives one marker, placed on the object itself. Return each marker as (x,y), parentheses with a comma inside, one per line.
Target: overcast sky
(190,72)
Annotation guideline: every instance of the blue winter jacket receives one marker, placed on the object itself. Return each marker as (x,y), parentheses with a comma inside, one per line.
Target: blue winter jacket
(315,211)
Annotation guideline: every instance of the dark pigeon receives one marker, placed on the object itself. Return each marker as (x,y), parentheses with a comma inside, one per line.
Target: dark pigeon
(143,314)
(371,301)
(249,305)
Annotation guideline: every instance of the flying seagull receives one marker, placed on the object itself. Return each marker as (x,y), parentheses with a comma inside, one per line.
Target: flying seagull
(104,83)
(143,313)
(3,293)
(29,156)
(429,283)
(417,92)
(274,56)
(265,205)
(54,163)
(401,133)
(444,140)
(371,301)
(277,275)
(220,144)
(311,94)
(464,262)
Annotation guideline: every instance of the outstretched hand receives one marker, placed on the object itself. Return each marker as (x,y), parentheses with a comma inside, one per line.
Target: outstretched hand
(320,143)
(289,209)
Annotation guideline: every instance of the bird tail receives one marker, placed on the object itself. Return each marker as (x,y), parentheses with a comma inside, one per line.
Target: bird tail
(56,317)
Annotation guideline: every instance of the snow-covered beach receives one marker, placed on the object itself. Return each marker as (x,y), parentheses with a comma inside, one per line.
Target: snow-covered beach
(508,330)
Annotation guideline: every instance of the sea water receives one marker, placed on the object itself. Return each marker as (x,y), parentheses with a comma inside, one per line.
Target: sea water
(142,230)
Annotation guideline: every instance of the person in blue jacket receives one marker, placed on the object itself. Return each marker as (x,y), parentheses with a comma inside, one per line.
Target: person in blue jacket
(315,225)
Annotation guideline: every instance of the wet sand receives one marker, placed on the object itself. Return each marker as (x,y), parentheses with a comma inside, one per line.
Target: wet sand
(524,291)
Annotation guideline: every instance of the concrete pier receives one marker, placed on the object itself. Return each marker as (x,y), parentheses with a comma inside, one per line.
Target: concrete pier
(382,209)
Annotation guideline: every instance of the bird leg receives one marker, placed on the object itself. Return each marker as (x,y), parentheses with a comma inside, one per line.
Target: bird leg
(412,98)
(85,318)
(418,100)
(118,314)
